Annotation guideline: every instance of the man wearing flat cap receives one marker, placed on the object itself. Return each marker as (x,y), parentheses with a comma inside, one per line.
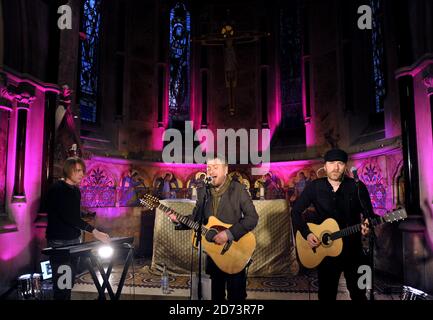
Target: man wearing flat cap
(336,196)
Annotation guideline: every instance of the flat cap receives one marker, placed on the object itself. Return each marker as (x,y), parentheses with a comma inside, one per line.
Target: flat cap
(336,155)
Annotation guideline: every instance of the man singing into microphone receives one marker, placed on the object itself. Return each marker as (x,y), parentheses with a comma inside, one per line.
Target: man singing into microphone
(336,196)
(230,202)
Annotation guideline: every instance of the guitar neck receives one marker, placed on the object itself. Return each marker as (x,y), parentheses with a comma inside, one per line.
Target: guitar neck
(355,228)
(183,219)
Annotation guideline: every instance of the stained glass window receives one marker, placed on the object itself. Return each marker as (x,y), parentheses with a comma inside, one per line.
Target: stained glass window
(180,32)
(378,54)
(291,71)
(90,27)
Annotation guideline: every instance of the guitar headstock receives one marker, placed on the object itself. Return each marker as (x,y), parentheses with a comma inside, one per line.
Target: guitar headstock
(149,201)
(395,215)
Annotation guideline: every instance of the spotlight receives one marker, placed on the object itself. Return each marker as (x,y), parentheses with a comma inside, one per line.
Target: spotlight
(105,252)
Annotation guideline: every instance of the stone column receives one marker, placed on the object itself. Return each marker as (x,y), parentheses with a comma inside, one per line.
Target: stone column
(24,96)
(415,86)
(414,252)
(408,133)
(24,102)
(5,111)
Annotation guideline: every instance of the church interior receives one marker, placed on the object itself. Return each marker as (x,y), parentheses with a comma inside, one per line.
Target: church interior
(142,90)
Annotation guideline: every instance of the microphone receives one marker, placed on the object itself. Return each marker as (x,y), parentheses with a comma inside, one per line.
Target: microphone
(355,174)
(208,180)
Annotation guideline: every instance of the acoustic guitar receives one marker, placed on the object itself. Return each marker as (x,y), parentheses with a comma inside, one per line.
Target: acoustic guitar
(231,257)
(330,237)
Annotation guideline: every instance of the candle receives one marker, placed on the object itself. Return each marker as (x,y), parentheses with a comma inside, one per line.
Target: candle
(262,193)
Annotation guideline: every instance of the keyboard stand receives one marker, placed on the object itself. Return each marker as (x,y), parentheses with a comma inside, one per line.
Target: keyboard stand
(84,251)
(92,263)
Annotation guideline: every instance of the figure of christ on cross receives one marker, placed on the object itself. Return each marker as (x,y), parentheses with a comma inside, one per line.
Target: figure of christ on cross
(228,38)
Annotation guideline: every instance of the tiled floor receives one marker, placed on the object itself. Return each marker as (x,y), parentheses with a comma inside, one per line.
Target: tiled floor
(144,285)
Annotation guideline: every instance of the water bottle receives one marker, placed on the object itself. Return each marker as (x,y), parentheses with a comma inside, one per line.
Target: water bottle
(165,285)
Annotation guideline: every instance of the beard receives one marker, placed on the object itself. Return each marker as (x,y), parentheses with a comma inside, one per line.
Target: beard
(335,176)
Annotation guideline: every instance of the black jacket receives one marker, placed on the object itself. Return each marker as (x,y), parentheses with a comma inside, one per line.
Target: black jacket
(235,207)
(64,212)
(344,205)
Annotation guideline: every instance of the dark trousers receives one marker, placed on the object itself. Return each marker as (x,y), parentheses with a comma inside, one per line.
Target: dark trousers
(236,284)
(59,275)
(329,272)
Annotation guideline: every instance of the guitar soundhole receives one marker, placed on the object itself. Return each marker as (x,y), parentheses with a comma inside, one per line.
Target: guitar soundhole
(326,239)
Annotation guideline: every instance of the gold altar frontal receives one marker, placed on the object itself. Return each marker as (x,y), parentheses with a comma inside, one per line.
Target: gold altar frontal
(275,253)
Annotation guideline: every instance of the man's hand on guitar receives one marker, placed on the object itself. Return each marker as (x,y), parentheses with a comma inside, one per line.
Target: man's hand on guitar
(365,230)
(221,238)
(312,240)
(172,217)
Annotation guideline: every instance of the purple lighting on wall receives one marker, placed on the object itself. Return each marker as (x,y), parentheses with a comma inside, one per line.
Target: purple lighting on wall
(4,135)
(16,244)
(12,245)
(19,193)
(274,112)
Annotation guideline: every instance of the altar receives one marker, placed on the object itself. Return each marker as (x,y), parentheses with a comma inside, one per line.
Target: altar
(275,252)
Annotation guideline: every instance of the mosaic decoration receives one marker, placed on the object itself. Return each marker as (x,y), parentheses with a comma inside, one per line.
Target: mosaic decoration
(131,189)
(98,189)
(373,179)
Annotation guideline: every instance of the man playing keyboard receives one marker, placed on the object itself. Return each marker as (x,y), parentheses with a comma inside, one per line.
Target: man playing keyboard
(65,223)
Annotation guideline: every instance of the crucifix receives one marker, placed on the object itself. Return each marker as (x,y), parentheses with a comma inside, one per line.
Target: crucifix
(227,38)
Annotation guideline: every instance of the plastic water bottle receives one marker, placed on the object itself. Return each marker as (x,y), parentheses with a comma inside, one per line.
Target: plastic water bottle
(165,285)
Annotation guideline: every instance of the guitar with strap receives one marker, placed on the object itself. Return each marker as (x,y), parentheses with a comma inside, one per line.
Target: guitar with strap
(330,237)
(232,257)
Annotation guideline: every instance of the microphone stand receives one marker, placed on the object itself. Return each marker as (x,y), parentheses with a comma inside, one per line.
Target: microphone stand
(199,237)
(371,239)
